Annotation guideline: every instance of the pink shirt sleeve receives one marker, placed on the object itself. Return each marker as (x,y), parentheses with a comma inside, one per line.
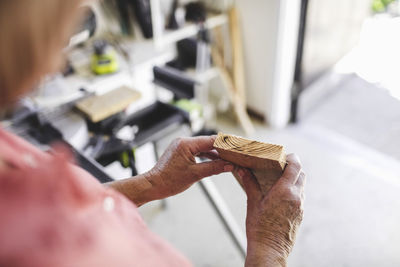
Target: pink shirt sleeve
(53,213)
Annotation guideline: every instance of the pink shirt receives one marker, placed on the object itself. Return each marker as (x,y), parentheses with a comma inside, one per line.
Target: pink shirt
(53,213)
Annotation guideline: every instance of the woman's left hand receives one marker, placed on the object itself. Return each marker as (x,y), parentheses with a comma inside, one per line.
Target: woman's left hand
(177,169)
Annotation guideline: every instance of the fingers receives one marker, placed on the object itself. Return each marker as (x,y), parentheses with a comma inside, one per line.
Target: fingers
(209,155)
(300,184)
(237,176)
(210,168)
(200,144)
(250,184)
(301,180)
(292,170)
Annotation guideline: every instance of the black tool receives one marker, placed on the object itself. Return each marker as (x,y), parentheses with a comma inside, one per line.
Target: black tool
(176,81)
(196,12)
(172,22)
(143,15)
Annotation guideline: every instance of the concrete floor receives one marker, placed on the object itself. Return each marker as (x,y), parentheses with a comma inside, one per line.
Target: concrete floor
(352,209)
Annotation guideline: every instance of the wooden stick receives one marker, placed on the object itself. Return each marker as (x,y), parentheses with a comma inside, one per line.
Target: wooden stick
(237,53)
(235,99)
(267,161)
(219,42)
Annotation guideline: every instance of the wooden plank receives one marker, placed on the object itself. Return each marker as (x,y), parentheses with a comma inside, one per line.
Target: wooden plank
(98,108)
(267,161)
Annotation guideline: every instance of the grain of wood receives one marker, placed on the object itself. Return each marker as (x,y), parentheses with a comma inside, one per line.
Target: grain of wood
(267,161)
(98,108)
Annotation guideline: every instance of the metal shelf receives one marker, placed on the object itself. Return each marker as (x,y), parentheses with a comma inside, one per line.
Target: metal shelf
(163,37)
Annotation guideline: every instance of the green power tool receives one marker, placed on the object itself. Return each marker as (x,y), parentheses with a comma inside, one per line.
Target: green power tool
(104,59)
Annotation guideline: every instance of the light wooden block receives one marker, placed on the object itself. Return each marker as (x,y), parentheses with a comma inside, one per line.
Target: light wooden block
(267,161)
(98,108)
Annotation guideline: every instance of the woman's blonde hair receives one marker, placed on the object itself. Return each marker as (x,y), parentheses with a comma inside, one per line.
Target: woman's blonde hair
(33,34)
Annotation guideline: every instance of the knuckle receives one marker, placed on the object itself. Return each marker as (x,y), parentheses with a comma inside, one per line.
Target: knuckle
(218,166)
(288,191)
(302,179)
(212,168)
(294,161)
(294,196)
(179,142)
(296,165)
(297,202)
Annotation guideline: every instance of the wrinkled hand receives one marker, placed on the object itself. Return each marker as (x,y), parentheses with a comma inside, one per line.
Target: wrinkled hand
(272,221)
(177,169)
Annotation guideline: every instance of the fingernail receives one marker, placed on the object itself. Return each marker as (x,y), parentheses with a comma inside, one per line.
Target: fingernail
(228,168)
(241,172)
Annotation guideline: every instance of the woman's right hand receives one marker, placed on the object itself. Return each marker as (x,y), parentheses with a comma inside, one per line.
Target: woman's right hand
(272,220)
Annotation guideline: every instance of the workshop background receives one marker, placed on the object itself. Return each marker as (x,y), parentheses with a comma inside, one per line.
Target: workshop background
(320,77)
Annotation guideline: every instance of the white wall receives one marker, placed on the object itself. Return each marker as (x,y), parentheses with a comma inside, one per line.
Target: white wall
(270,29)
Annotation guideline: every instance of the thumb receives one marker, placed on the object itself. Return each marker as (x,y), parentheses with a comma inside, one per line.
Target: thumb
(250,185)
(213,167)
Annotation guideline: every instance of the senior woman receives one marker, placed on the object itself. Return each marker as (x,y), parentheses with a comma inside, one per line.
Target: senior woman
(53,213)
